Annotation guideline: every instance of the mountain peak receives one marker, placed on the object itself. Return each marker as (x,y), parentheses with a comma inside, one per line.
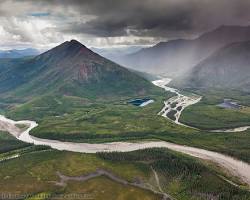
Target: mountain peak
(67,50)
(75,43)
(70,44)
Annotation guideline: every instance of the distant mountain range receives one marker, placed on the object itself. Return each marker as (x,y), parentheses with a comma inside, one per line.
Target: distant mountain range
(14,53)
(116,53)
(228,67)
(69,69)
(177,57)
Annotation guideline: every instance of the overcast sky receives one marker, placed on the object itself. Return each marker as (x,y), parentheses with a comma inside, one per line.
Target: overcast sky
(102,23)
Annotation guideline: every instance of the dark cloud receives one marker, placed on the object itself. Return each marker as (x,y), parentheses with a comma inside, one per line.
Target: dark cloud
(123,18)
(154,17)
(141,18)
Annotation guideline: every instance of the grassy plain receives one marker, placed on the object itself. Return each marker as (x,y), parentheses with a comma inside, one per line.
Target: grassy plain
(207,115)
(180,176)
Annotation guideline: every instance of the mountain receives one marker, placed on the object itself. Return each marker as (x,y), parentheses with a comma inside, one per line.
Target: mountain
(229,68)
(18,53)
(116,53)
(177,57)
(69,69)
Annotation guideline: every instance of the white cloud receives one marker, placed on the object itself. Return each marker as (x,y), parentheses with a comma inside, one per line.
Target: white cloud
(29,31)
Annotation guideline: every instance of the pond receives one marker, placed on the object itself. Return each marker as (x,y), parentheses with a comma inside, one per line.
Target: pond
(229,104)
(141,102)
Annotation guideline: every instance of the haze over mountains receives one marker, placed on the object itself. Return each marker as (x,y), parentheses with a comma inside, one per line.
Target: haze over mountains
(177,57)
(69,69)
(117,52)
(15,53)
(228,67)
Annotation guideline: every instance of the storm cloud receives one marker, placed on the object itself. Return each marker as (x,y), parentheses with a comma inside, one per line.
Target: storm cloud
(111,22)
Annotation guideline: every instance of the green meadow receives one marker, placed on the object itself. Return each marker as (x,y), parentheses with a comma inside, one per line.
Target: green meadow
(180,176)
(207,115)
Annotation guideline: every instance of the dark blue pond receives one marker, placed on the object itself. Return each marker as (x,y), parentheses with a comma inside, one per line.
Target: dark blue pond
(138,102)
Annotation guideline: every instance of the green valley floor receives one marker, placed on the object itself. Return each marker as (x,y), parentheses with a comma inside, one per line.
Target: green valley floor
(43,173)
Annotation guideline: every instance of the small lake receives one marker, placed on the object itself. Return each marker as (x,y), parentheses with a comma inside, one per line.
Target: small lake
(141,102)
(229,104)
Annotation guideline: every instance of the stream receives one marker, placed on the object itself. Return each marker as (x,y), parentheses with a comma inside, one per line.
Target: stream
(178,103)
